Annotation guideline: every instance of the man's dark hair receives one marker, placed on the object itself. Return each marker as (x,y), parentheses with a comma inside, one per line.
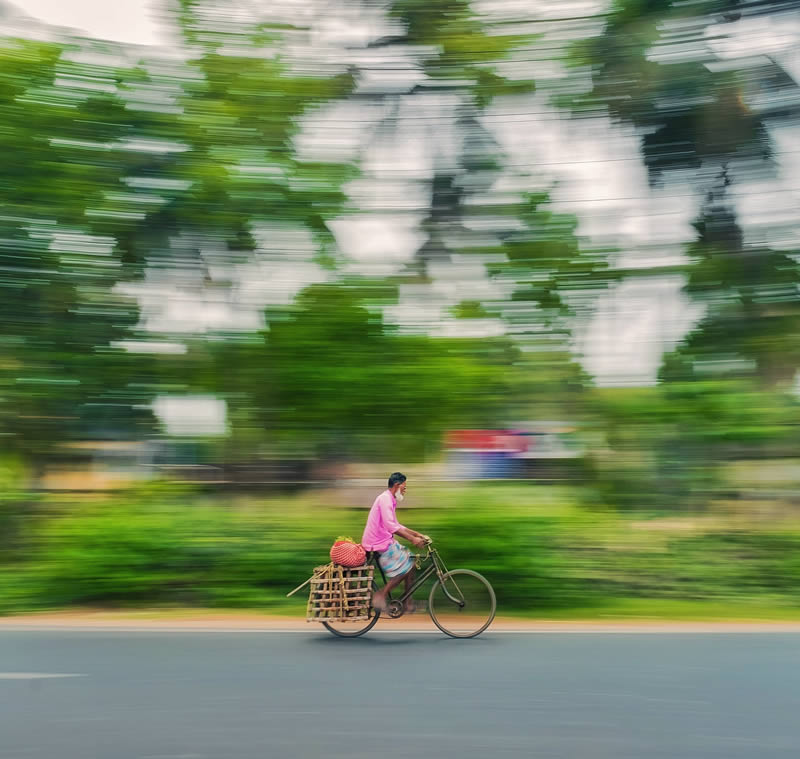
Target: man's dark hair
(396,479)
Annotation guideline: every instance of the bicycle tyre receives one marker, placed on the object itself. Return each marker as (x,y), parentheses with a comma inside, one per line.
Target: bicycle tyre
(357,631)
(479,587)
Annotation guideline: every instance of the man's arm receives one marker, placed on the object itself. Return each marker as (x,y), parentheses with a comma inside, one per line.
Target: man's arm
(412,536)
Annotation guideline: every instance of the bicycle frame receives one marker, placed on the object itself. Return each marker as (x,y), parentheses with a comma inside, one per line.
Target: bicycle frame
(436,567)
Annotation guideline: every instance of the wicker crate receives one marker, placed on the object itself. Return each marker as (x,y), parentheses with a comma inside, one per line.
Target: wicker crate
(340,593)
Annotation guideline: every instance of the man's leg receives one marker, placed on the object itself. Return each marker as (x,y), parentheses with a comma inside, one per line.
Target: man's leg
(379,597)
(409,581)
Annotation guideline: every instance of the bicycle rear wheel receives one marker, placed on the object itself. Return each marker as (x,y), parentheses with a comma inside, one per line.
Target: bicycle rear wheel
(355,628)
(462,604)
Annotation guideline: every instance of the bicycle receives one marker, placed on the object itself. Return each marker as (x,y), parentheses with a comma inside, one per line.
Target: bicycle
(461,603)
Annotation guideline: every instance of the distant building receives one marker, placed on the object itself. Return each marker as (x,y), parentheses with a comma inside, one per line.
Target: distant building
(525,451)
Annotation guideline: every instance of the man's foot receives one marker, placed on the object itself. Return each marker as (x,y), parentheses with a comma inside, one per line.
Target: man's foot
(379,601)
(410,607)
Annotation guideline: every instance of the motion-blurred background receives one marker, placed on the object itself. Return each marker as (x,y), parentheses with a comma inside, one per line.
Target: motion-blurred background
(542,257)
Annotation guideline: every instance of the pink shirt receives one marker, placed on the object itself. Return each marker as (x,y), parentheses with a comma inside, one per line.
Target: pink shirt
(381,523)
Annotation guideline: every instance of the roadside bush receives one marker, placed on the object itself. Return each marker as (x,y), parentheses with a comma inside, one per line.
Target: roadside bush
(159,546)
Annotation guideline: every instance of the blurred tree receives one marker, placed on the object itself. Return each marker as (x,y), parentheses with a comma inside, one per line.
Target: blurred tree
(114,170)
(63,129)
(221,159)
(654,66)
(329,379)
(752,320)
(444,69)
(666,445)
(703,119)
(459,51)
(318,375)
(340,382)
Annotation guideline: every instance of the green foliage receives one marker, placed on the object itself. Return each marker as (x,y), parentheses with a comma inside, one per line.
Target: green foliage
(64,124)
(665,445)
(525,554)
(330,374)
(160,547)
(465,40)
(16,505)
(737,566)
(164,549)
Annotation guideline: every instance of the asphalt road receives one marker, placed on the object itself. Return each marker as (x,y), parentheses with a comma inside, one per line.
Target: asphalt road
(178,695)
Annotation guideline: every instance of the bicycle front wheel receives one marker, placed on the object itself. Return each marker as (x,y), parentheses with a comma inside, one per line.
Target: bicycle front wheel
(462,604)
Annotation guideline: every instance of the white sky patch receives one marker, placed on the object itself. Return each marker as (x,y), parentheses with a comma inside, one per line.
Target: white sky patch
(768,208)
(635,322)
(414,315)
(353,25)
(378,244)
(168,305)
(382,196)
(465,278)
(192,415)
(334,132)
(762,35)
(223,297)
(132,21)
(275,282)
(429,308)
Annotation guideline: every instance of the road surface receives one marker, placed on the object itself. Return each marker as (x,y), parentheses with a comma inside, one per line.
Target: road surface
(263,695)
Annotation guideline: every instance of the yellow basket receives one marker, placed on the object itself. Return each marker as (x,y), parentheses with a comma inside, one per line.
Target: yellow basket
(340,593)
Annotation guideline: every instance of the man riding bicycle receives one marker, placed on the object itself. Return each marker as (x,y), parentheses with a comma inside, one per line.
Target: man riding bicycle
(394,559)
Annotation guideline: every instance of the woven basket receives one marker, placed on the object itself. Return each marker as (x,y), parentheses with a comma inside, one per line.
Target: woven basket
(340,594)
